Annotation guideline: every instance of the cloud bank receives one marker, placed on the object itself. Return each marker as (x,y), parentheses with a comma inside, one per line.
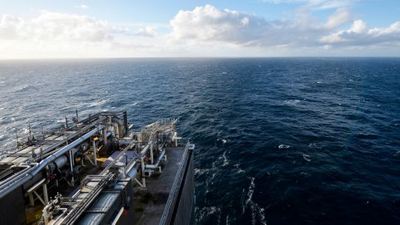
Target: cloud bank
(60,35)
(202,31)
(49,26)
(207,24)
(360,35)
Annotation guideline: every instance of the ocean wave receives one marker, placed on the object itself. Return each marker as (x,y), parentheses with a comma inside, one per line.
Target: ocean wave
(307,157)
(255,122)
(283,146)
(257,212)
(395,123)
(25,87)
(98,103)
(239,170)
(200,172)
(314,145)
(221,141)
(226,161)
(212,213)
(291,102)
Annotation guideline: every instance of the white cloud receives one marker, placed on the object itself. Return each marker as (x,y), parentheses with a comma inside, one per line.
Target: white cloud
(10,27)
(83,7)
(358,26)
(340,17)
(148,31)
(207,23)
(316,4)
(360,35)
(49,26)
(53,34)
(203,31)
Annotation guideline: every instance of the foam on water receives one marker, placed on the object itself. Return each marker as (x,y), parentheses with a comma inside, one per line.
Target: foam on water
(291,102)
(225,162)
(212,213)
(307,157)
(257,213)
(283,146)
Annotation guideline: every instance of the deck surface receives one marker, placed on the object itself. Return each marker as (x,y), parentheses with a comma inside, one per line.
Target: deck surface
(149,202)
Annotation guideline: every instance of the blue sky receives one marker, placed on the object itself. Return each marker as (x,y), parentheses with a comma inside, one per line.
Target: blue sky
(129,28)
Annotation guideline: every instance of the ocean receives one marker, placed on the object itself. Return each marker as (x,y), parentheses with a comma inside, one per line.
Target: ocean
(278,140)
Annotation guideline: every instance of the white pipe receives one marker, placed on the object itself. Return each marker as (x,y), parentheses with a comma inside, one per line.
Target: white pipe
(155,166)
(114,222)
(151,153)
(144,151)
(20,180)
(143,172)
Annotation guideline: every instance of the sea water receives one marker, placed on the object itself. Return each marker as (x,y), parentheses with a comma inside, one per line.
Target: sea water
(278,140)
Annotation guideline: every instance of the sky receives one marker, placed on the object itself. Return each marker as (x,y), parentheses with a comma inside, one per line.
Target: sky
(197,28)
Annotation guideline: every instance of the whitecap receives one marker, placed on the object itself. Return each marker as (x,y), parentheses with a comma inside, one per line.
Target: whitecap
(282,146)
(209,211)
(257,212)
(314,145)
(200,171)
(25,130)
(98,103)
(291,102)
(307,157)
(226,162)
(24,88)
(239,170)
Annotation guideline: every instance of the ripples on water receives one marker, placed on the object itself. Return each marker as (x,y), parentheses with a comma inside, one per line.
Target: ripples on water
(279,141)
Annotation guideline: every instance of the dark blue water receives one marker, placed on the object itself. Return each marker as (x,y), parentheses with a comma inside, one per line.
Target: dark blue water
(278,141)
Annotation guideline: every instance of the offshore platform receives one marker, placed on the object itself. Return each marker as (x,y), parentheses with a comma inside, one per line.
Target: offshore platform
(99,170)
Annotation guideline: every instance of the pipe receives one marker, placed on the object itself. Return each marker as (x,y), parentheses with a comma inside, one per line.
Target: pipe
(117,158)
(71,165)
(121,128)
(94,153)
(14,176)
(115,126)
(12,185)
(155,166)
(151,154)
(144,151)
(58,163)
(124,142)
(125,116)
(143,171)
(119,214)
